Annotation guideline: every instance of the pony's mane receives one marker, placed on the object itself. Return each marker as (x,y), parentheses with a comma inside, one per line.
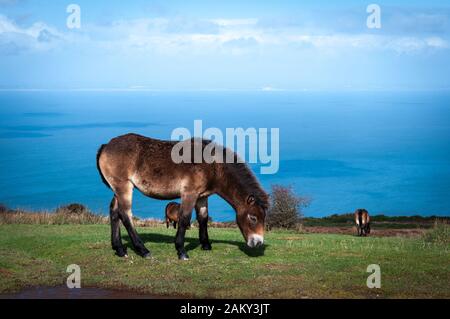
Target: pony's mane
(239,172)
(243,174)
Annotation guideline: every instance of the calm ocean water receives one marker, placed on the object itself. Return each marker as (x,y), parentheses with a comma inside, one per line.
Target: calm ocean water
(387,152)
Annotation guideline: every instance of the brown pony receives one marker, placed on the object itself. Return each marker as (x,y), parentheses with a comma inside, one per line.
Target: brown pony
(172,214)
(362,221)
(133,161)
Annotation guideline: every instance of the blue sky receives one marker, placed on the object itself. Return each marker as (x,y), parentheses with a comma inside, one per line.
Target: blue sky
(225,45)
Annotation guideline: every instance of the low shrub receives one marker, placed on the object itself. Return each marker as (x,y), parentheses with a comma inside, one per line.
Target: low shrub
(439,234)
(285,209)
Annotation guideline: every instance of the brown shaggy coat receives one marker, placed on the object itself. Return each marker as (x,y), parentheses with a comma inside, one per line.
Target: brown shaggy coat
(134,161)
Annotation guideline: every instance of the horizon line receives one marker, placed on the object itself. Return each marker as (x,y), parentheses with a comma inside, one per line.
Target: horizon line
(262,90)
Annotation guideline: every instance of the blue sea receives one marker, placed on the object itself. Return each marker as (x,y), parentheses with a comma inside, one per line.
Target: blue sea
(388,152)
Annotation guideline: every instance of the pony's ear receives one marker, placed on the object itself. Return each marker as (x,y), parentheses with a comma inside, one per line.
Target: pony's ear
(251,200)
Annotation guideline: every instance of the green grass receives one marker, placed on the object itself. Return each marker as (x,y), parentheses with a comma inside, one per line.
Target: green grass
(292,266)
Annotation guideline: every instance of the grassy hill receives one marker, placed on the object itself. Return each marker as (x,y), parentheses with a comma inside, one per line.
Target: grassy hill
(292,265)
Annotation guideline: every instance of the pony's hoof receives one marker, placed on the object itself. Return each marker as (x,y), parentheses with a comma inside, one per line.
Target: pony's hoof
(206,247)
(147,255)
(122,253)
(183,256)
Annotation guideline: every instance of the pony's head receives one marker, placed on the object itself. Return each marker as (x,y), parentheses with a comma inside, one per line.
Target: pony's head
(250,219)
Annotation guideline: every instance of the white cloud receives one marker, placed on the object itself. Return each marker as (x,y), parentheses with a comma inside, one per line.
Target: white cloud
(15,39)
(242,35)
(203,36)
(437,42)
(234,22)
(270,89)
(399,44)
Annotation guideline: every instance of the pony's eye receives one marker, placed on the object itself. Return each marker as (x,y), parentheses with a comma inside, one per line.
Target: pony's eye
(252,219)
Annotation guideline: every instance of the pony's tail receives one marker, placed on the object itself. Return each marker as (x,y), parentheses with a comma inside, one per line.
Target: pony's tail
(360,218)
(99,153)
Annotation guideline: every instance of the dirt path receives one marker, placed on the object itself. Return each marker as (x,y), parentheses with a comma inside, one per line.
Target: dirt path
(62,292)
(412,232)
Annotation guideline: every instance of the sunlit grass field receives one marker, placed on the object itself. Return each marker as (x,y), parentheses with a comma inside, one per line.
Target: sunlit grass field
(292,265)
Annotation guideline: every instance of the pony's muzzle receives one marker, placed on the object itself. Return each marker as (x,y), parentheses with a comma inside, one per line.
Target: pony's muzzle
(255,241)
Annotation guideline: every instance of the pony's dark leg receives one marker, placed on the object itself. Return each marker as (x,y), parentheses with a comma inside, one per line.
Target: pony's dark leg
(201,209)
(116,240)
(125,196)
(366,230)
(187,205)
(174,225)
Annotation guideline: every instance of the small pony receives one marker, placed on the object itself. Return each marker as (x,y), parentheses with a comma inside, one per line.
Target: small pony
(362,221)
(172,214)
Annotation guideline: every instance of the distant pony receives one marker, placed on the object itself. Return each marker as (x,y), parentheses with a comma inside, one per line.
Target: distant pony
(172,214)
(362,220)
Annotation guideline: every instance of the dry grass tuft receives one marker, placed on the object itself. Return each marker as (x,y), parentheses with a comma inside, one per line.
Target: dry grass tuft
(70,214)
(439,234)
(73,214)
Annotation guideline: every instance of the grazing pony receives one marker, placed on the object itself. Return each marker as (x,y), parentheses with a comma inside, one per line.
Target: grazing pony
(134,161)
(172,214)
(362,221)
